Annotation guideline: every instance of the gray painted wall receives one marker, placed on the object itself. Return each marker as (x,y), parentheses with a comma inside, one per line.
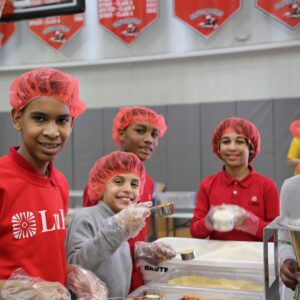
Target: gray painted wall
(184,154)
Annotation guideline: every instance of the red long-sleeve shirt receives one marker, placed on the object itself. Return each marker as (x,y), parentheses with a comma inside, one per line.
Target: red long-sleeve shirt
(137,277)
(32,219)
(255,193)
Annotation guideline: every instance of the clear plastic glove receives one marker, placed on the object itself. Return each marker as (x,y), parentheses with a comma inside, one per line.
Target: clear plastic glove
(153,253)
(227,217)
(133,218)
(220,218)
(85,284)
(208,220)
(289,273)
(21,286)
(246,221)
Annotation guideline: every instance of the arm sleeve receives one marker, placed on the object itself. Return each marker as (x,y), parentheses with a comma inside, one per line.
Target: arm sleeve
(197,228)
(271,203)
(285,249)
(89,247)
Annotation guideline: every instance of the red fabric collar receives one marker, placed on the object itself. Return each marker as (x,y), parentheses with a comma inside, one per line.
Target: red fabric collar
(231,180)
(33,174)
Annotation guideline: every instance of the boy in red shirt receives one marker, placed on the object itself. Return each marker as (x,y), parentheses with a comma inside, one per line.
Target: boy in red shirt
(137,130)
(33,194)
(251,199)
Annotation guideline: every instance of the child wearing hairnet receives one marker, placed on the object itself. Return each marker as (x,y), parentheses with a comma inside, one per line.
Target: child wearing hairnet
(137,129)
(236,203)
(98,235)
(33,194)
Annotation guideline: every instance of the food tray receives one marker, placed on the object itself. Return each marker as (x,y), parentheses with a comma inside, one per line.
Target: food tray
(182,272)
(176,292)
(229,254)
(221,256)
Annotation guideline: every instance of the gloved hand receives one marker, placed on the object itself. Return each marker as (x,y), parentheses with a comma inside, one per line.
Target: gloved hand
(22,286)
(133,218)
(246,221)
(208,220)
(153,253)
(85,284)
(289,273)
(213,220)
(243,220)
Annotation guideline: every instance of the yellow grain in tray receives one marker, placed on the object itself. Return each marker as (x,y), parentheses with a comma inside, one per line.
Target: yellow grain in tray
(219,283)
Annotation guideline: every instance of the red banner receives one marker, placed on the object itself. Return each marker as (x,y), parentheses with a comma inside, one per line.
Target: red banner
(206,16)
(56,31)
(285,11)
(127,18)
(6,31)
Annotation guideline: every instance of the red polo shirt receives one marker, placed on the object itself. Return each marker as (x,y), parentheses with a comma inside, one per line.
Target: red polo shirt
(255,193)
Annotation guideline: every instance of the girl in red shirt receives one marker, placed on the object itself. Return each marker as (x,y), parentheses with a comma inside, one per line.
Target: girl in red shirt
(236,203)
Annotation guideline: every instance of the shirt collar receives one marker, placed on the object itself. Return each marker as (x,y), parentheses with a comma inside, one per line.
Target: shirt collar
(32,171)
(245,182)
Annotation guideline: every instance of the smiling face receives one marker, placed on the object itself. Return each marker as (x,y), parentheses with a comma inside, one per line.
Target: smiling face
(121,190)
(46,125)
(140,139)
(234,150)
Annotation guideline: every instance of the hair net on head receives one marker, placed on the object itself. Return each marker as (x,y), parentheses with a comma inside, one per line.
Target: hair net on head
(108,166)
(240,126)
(295,129)
(135,114)
(46,82)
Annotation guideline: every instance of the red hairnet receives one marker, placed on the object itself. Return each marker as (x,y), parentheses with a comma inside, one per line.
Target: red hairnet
(131,115)
(46,82)
(295,129)
(110,165)
(240,126)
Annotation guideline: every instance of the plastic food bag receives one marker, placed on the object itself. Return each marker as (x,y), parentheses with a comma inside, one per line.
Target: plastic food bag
(85,284)
(21,286)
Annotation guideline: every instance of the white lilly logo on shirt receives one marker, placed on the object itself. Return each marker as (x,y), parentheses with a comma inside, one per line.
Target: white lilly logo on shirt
(24,225)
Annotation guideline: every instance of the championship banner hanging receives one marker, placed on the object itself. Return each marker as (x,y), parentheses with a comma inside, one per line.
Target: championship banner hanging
(56,31)
(127,18)
(206,16)
(6,31)
(285,11)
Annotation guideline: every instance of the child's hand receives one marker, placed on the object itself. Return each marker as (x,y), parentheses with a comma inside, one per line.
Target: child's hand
(246,221)
(154,253)
(132,218)
(85,284)
(289,272)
